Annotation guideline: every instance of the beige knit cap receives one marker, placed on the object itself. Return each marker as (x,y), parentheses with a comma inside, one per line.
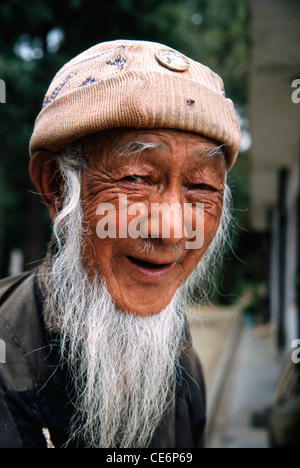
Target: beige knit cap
(136,84)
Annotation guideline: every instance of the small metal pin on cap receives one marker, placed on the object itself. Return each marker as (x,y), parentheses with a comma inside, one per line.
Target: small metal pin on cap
(172,59)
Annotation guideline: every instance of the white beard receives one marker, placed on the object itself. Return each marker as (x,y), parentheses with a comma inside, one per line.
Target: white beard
(122,366)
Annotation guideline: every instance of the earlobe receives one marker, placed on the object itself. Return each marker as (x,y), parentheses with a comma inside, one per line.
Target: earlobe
(45,175)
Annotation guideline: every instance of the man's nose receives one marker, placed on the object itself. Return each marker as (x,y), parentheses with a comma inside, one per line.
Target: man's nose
(166,219)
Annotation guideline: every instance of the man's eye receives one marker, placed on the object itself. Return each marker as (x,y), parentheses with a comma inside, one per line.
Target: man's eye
(201,187)
(134,179)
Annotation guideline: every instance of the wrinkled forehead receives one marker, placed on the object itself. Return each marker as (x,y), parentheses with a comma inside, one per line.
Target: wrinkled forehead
(127,143)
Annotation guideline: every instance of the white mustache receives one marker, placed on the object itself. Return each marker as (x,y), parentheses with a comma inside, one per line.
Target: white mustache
(148,246)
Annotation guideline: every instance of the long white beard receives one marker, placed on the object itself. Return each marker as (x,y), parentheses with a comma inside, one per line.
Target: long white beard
(122,366)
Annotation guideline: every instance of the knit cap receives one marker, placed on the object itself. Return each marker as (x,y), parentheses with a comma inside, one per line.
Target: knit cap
(138,84)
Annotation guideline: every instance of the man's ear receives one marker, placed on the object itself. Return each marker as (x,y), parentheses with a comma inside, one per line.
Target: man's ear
(45,175)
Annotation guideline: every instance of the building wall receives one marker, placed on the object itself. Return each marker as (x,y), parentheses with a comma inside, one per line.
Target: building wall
(274,118)
(275,132)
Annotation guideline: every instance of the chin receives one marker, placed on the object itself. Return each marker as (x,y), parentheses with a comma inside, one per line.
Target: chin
(142,310)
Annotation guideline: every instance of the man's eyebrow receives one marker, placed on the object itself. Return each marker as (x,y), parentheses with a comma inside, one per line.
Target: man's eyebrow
(216,151)
(136,148)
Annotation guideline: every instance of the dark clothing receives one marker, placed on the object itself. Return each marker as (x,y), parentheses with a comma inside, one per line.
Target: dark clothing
(34,389)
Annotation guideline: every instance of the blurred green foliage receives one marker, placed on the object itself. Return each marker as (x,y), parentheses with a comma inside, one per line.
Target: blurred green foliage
(37,37)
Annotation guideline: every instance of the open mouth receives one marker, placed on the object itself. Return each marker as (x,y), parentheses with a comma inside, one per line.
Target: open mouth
(144,264)
(150,271)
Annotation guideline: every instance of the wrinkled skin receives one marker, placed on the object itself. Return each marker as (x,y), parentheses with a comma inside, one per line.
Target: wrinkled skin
(174,172)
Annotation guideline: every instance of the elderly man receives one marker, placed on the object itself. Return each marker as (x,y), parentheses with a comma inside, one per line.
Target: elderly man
(133,141)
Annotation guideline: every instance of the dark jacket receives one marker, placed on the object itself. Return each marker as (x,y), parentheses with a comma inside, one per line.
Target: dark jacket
(34,399)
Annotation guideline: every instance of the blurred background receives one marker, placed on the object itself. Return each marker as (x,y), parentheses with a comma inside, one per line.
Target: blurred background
(245,337)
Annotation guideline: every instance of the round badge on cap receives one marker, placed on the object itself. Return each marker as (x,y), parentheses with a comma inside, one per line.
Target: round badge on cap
(172,59)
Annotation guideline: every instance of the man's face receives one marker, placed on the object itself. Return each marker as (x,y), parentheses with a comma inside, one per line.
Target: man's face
(167,166)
